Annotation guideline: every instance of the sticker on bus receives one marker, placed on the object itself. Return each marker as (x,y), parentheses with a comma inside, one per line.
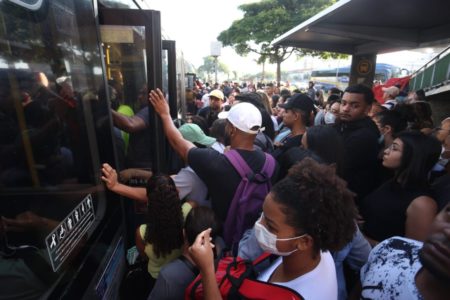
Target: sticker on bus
(67,235)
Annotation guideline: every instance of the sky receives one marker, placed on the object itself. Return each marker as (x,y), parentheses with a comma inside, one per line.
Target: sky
(195,24)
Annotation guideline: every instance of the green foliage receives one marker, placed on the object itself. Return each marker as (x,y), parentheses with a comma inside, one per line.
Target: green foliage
(264,21)
(208,66)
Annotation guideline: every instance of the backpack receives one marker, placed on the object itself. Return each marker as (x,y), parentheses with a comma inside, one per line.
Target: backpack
(236,279)
(246,205)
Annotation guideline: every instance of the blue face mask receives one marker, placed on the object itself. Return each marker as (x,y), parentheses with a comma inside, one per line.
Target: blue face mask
(329,118)
(381,139)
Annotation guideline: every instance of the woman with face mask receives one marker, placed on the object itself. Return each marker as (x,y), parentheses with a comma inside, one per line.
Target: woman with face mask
(332,114)
(306,215)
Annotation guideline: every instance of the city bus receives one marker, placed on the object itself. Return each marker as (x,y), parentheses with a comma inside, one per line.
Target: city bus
(339,77)
(65,66)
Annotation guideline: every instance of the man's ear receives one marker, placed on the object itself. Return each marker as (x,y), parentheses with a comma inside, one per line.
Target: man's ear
(368,109)
(388,129)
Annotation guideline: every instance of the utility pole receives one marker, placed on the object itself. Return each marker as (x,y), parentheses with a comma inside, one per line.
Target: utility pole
(215,68)
(216,48)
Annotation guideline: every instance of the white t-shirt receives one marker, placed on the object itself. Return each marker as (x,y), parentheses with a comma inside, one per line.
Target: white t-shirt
(190,185)
(318,284)
(391,270)
(275,123)
(218,147)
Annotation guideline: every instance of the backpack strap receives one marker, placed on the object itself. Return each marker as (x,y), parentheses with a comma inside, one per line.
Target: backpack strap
(255,289)
(262,258)
(269,165)
(244,170)
(239,164)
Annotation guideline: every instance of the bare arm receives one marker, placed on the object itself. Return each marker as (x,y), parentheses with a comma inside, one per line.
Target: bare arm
(419,216)
(28,221)
(110,178)
(130,173)
(202,253)
(176,140)
(128,124)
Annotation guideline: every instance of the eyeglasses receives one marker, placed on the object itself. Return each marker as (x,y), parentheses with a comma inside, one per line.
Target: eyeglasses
(440,128)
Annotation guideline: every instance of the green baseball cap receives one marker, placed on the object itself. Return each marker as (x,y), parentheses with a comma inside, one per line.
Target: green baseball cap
(193,133)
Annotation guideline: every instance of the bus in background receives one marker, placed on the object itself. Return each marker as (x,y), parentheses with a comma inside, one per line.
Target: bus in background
(339,77)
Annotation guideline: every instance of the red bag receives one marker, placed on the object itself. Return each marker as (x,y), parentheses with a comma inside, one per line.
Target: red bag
(236,279)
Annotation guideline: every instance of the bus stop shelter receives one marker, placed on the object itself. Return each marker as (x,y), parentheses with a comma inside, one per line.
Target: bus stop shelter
(365,28)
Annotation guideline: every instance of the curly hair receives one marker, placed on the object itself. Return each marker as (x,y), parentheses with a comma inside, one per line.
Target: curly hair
(164,217)
(317,202)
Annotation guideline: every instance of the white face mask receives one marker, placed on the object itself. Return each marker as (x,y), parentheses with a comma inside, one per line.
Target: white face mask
(443,161)
(329,118)
(268,240)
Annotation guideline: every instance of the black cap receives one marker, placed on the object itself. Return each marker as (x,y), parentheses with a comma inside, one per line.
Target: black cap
(299,101)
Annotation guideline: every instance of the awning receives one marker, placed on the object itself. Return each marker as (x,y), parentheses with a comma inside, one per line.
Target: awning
(373,26)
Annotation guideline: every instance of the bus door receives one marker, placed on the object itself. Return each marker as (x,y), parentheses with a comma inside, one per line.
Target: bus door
(132,52)
(61,231)
(169,71)
(131,41)
(170,75)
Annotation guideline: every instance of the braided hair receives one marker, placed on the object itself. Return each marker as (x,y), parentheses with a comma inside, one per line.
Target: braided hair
(164,217)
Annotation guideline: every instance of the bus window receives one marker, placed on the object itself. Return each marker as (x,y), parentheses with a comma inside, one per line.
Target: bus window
(125,60)
(54,133)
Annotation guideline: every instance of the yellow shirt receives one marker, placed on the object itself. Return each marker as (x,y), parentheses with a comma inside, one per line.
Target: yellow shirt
(156,263)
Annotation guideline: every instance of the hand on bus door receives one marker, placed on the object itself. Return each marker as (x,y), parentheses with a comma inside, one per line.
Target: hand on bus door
(159,103)
(109,176)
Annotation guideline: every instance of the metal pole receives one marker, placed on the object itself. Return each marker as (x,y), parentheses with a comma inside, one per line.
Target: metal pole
(215,68)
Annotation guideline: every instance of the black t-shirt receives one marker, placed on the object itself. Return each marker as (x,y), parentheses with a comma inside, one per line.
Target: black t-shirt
(360,156)
(384,210)
(220,176)
(209,115)
(287,143)
(138,154)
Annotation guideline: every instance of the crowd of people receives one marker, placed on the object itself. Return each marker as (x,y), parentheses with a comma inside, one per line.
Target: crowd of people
(356,185)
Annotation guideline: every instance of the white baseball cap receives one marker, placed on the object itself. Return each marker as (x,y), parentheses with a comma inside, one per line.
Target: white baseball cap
(244,116)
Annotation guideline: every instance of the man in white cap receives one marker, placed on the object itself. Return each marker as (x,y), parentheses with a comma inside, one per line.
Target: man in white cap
(243,124)
(210,113)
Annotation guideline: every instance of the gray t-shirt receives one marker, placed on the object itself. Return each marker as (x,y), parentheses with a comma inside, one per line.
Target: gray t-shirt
(172,281)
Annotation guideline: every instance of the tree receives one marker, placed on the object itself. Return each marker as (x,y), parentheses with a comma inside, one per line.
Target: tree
(265,20)
(208,67)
